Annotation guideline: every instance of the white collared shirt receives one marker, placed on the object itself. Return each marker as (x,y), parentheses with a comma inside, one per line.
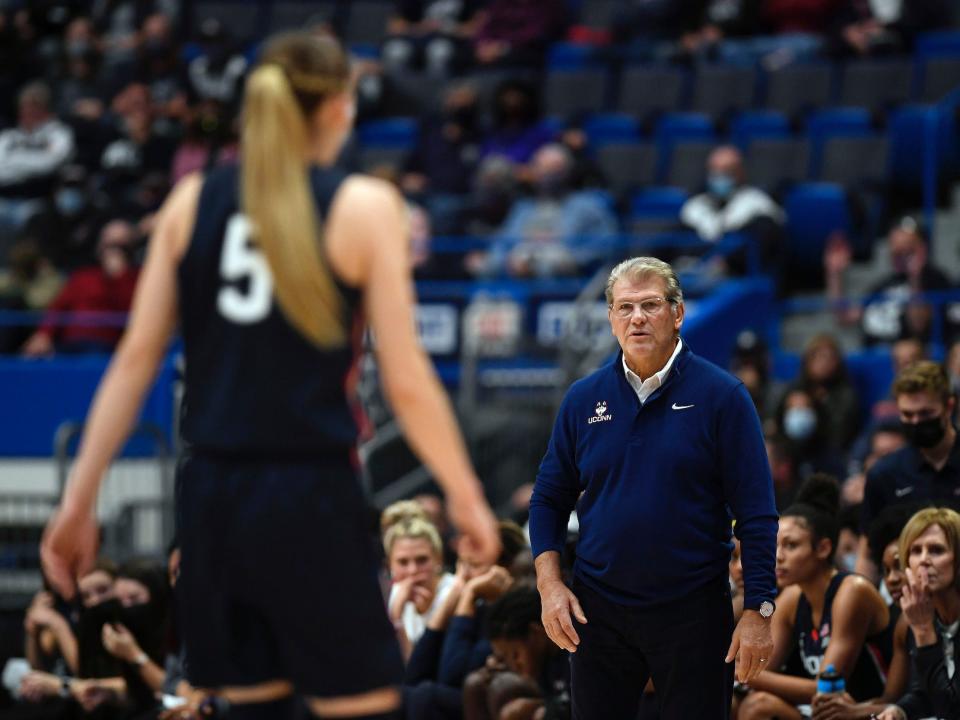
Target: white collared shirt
(645,388)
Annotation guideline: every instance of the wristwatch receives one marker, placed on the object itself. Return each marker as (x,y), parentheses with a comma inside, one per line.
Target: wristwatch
(766,608)
(141,659)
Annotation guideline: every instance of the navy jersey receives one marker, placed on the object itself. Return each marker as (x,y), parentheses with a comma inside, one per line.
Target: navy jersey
(868,677)
(254,384)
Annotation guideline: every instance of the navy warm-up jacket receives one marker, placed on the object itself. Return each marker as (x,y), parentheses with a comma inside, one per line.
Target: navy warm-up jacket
(660,484)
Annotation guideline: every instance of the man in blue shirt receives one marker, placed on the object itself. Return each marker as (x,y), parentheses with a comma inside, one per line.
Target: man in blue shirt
(658,450)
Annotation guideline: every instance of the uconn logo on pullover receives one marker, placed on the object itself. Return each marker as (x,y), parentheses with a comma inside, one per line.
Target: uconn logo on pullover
(599,416)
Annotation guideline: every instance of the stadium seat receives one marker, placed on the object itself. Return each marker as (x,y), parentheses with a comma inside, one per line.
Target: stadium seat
(572,92)
(909,139)
(721,89)
(938,43)
(688,165)
(758,124)
(294,15)
(680,127)
(570,56)
(648,91)
(611,128)
(939,76)
(656,208)
(855,160)
(366,21)
(389,133)
(773,163)
(372,158)
(835,122)
(876,84)
(599,14)
(814,212)
(628,166)
(797,89)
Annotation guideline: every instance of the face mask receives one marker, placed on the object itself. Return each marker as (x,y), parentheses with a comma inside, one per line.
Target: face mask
(799,423)
(70,201)
(720,185)
(95,661)
(79,48)
(552,184)
(848,561)
(924,434)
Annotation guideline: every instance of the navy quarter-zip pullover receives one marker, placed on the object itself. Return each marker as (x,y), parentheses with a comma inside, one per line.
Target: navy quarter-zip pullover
(656,485)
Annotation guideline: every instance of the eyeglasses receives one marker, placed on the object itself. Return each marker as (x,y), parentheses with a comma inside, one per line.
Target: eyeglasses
(650,307)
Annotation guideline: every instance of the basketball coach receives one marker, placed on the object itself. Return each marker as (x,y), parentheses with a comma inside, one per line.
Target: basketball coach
(659,451)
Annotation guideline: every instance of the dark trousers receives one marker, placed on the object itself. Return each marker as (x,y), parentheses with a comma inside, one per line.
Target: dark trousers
(682,646)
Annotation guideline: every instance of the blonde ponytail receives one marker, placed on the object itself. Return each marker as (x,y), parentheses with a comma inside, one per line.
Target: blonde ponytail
(276,197)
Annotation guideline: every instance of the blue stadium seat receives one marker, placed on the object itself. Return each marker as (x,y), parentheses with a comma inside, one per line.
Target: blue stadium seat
(612,128)
(799,88)
(814,212)
(758,125)
(571,56)
(835,123)
(388,133)
(656,208)
(680,127)
(909,138)
(939,43)
(647,90)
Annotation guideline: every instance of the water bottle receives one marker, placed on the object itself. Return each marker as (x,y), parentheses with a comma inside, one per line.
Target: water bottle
(830,681)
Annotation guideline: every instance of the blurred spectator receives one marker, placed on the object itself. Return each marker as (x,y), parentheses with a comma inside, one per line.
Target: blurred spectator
(794,30)
(751,363)
(718,20)
(80,92)
(906,352)
(730,204)
(547,234)
(823,375)
(517,32)
(30,283)
(107,288)
(586,172)
(952,364)
(518,131)
(435,35)
(445,155)
(159,65)
(867,27)
(414,555)
(885,437)
(217,72)
(138,151)
(30,155)
(896,311)
(209,139)
(645,23)
(66,225)
(804,425)
(495,190)
(521,643)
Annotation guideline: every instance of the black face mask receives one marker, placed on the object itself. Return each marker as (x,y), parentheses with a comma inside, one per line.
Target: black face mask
(924,434)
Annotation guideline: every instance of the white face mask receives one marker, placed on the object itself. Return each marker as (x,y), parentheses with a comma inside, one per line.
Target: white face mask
(799,423)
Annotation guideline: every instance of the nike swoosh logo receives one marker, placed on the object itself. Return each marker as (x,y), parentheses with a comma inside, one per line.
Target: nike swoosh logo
(681,407)
(900,492)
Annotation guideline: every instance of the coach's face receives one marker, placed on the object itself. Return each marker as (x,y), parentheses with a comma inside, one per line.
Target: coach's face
(644,323)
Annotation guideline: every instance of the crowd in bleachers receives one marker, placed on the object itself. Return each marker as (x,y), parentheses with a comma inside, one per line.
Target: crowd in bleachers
(108,103)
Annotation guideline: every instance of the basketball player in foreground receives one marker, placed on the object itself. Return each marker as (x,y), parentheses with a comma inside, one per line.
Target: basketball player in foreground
(268,485)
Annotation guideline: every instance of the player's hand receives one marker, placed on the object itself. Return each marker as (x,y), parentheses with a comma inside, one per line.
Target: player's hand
(559,605)
(472,516)
(68,549)
(752,645)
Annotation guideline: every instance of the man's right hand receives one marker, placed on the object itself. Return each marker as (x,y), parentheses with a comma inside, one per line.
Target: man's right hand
(559,604)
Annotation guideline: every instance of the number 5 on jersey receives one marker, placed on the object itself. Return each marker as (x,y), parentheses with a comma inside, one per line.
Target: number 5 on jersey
(241,260)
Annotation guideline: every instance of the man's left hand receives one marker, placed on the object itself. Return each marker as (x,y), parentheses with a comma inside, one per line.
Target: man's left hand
(752,645)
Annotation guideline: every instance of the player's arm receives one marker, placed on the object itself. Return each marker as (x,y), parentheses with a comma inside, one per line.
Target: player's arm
(69,545)
(368,233)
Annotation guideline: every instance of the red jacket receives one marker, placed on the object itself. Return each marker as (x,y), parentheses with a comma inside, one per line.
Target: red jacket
(91,289)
